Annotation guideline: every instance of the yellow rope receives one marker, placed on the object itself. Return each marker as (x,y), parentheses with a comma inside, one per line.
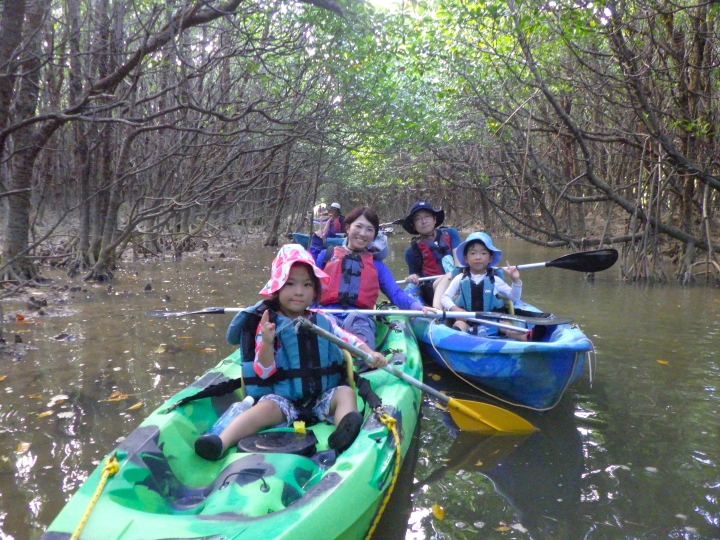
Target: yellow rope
(391,424)
(111,467)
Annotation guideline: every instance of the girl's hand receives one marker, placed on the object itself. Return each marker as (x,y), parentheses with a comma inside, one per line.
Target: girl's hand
(413,278)
(429,309)
(378,360)
(513,272)
(267,329)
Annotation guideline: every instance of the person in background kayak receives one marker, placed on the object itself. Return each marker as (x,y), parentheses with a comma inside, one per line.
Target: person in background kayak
(478,286)
(357,276)
(431,251)
(335,224)
(304,371)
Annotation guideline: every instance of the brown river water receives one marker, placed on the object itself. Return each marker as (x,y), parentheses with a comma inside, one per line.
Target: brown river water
(632,450)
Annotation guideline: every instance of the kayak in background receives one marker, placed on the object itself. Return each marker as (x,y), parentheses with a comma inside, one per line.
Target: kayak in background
(531,374)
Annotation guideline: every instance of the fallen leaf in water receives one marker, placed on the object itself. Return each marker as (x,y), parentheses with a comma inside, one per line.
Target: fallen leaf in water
(19,317)
(56,400)
(438,511)
(116,393)
(502,528)
(3,377)
(46,413)
(160,349)
(435,376)
(135,407)
(185,337)
(23,447)
(662,362)
(35,396)
(208,349)
(440,406)
(211,325)
(119,397)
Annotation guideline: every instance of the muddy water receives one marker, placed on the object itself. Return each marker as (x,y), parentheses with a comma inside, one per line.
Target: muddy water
(632,453)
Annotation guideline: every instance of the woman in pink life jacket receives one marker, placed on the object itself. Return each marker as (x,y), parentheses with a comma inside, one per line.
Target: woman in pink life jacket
(358,275)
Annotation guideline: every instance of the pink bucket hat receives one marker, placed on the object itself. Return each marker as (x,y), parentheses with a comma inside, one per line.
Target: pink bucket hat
(280,269)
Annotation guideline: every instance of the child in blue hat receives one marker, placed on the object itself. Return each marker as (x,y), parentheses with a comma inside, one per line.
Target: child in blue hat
(477,287)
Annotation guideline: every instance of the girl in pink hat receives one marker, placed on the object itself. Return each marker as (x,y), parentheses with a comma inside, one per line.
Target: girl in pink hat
(294,376)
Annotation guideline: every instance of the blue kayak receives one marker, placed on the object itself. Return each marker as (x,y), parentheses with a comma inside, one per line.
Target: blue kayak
(531,374)
(304,240)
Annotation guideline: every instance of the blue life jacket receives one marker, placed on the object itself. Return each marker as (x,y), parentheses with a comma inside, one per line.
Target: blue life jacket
(479,297)
(306,365)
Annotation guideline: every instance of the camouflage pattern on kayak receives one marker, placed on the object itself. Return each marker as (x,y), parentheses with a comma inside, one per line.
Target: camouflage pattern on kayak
(163,490)
(531,374)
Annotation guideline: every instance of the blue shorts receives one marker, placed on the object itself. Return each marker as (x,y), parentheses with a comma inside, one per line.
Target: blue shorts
(321,409)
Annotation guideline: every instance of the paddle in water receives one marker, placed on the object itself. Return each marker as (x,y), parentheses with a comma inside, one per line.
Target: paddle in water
(468,415)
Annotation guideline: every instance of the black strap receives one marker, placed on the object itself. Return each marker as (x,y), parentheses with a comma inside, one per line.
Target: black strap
(366,392)
(213,390)
(309,362)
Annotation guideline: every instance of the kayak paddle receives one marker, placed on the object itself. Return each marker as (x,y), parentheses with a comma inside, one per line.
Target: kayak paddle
(468,415)
(536,321)
(203,311)
(582,261)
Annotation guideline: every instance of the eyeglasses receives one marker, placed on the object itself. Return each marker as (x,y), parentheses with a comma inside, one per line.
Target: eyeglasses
(422,217)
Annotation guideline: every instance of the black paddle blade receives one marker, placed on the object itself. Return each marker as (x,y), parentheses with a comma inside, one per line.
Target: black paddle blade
(586,261)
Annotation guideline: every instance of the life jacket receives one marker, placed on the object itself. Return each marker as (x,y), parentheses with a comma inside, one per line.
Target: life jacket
(479,296)
(432,253)
(353,279)
(337,226)
(306,366)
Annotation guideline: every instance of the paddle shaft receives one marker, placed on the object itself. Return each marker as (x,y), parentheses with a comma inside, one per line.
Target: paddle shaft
(431,315)
(394,371)
(426,278)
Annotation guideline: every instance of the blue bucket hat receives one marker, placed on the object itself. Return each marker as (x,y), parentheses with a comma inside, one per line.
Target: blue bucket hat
(487,242)
(408,224)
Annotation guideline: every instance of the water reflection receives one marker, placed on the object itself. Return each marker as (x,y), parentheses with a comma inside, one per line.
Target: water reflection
(542,477)
(539,474)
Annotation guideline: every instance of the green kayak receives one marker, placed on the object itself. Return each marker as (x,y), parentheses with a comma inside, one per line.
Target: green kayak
(163,490)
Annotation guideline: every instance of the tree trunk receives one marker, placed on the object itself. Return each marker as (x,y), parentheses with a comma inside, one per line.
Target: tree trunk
(27,147)
(272,238)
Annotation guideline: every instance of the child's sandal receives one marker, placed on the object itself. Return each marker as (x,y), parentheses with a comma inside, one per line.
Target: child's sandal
(209,447)
(346,432)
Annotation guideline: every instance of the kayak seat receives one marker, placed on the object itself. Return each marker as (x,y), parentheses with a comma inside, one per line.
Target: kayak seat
(261,484)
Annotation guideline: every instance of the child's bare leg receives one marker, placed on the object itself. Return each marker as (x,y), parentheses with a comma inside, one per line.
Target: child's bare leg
(263,415)
(342,402)
(519,335)
(440,285)
(461,325)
